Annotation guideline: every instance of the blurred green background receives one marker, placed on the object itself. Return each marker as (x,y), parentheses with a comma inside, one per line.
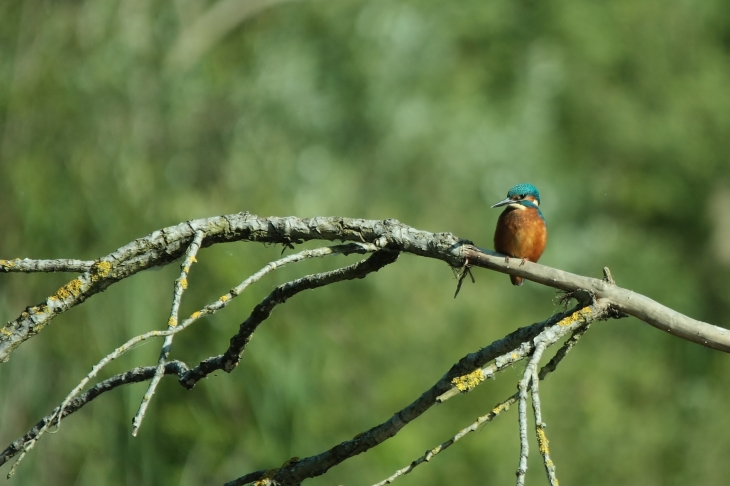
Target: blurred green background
(119,118)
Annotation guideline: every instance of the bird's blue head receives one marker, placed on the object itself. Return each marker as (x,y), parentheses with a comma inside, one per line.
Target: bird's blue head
(522,191)
(524,194)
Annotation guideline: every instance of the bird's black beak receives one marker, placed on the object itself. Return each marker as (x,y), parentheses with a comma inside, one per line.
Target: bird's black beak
(504,202)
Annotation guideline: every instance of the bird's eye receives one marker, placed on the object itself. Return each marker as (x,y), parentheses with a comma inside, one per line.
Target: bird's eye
(522,196)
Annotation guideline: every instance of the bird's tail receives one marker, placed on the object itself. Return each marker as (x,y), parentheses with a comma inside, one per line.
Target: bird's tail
(516,280)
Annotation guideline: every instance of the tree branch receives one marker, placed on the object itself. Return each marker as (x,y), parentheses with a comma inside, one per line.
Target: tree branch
(494,413)
(295,471)
(229,360)
(27,265)
(181,284)
(387,239)
(167,245)
(622,300)
(135,375)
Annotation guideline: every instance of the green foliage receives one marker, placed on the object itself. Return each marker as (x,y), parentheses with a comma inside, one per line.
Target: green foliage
(427,112)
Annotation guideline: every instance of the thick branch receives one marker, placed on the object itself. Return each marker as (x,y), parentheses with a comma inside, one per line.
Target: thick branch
(167,245)
(623,300)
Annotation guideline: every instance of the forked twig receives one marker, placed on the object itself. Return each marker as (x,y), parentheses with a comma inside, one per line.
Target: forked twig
(495,412)
(530,369)
(179,287)
(135,375)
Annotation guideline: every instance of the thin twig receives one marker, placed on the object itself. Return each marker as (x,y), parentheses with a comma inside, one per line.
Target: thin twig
(522,410)
(134,375)
(542,440)
(494,413)
(26,265)
(564,350)
(179,287)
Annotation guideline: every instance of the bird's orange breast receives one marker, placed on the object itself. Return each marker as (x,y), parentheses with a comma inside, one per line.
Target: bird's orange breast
(521,234)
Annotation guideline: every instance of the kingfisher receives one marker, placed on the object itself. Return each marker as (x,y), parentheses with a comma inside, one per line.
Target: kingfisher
(521,230)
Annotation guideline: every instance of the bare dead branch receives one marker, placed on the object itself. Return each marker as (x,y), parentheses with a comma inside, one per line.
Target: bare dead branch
(386,239)
(430,454)
(179,287)
(27,265)
(542,440)
(229,360)
(167,245)
(295,471)
(494,413)
(530,369)
(622,300)
(209,309)
(135,375)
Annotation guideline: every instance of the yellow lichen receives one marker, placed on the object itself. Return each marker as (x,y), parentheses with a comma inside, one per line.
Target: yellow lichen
(576,316)
(100,270)
(71,289)
(184,283)
(193,260)
(172,322)
(6,331)
(266,479)
(467,382)
(195,315)
(7,263)
(500,408)
(542,441)
(224,298)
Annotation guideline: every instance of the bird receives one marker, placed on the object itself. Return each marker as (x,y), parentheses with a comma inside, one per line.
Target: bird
(521,230)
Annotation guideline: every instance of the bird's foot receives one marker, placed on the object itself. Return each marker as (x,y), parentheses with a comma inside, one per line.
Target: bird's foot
(461,275)
(523,261)
(506,259)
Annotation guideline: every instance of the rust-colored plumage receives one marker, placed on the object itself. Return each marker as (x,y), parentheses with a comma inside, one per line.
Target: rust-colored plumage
(521,231)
